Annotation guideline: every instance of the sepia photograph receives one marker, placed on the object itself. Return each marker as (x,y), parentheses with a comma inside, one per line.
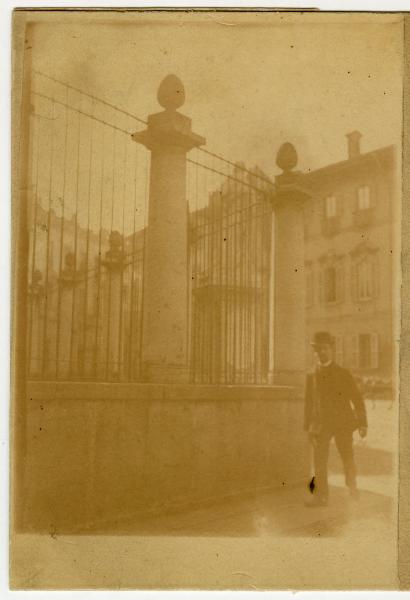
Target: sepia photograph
(206,247)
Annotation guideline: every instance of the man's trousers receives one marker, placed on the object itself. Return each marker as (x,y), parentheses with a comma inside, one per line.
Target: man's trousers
(344,444)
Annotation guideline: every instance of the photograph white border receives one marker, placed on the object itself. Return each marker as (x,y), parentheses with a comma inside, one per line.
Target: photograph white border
(6,8)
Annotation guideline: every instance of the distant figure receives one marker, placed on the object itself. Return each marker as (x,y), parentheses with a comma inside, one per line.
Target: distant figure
(334,407)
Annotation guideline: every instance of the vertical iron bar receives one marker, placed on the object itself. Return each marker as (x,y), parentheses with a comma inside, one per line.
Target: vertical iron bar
(87,246)
(46,283)
(196,289)
(131,371)
(209,313)
(220,297)
(234,283)
(256,311)
(98,295)
(241,284)
(34,247)
(62,223)
(74,290)
(120,353)
(203,290)
(224,288)
(212,242)
(249,286)
(108,314)
(146,209)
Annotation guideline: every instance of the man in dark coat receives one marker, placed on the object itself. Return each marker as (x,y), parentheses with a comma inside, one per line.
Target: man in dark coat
(335,408)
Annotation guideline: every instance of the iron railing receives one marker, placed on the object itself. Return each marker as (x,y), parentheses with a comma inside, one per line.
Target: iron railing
(88,217)
(89,184)
(230,267)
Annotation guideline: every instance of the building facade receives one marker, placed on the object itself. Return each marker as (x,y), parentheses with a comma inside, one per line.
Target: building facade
(349,246)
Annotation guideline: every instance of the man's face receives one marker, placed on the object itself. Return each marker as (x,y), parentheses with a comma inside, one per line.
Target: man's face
(323,352)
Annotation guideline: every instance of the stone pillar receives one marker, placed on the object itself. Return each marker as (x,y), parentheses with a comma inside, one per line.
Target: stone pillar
(165,287)
(289,327)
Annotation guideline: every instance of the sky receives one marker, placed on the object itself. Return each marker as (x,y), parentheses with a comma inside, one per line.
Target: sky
(252,82)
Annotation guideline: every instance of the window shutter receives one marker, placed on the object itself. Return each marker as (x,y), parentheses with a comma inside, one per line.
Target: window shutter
(363,197)
(309,286)
(361,279)
(312,287)
(374,348)
(339,282)
(330,207)
(375,277)
(354,349)
(339,350)
(369,197)
(339,206)
(372,196)
(354,280)
(321,286)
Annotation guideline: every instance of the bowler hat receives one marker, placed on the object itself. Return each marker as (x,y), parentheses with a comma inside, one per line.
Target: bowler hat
(322,337)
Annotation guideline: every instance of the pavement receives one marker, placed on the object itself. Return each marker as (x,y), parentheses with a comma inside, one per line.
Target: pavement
(281,512)
(267,540)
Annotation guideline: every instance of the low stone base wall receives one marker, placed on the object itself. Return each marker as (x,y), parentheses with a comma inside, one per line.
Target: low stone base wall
(99,452)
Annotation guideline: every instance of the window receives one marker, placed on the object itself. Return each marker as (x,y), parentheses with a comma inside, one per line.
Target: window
(368,351)
(307,219)
(339,350)
(365,277)
(354,351)
(332,282)
(309,286)
(330,207)
(363,197)
(365,352)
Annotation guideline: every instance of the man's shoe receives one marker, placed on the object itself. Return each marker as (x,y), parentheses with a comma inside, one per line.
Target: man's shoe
(316,502)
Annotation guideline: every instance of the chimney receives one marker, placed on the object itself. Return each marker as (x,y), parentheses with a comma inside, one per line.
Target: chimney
(353,144)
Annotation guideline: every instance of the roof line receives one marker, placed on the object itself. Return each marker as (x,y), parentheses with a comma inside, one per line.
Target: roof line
(350,162)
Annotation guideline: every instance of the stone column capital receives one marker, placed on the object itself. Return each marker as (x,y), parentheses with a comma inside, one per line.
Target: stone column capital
(290,191)
(169,128)
(290,188)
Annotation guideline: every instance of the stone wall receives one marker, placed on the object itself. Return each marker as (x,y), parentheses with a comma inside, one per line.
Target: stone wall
(102,452)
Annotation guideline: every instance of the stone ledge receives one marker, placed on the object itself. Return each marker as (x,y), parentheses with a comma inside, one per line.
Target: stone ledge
(69,390)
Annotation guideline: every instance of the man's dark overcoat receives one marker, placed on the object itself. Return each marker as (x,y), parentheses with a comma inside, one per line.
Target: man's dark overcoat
(333,401)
